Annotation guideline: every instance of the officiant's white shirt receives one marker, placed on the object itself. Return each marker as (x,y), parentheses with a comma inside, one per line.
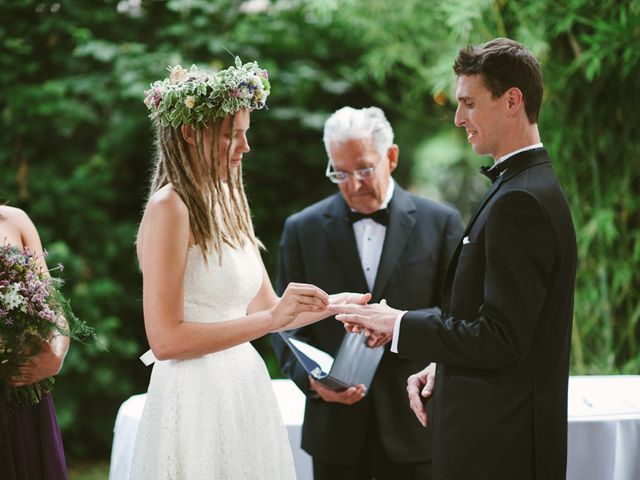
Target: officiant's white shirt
(396,326)
(370,240)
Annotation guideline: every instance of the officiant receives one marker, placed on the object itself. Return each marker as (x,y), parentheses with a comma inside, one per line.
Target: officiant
(371,236)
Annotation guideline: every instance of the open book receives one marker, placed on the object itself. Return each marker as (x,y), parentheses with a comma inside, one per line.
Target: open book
(355,363)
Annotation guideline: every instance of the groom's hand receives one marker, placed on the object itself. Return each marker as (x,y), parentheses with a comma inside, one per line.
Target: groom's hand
(376,339)
(420,389)
(377,318)
(346,298)
(347,397)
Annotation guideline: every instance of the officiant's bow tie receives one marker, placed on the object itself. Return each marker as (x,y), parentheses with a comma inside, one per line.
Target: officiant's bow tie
(494,171)
(379,216)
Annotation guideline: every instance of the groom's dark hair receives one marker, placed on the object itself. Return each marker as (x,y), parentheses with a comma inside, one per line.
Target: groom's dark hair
(504,63)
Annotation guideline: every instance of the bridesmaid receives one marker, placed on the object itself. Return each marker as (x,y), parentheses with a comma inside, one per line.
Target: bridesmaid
(30,443)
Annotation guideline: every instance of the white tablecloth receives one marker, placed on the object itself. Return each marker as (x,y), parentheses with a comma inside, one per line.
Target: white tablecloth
(604,428)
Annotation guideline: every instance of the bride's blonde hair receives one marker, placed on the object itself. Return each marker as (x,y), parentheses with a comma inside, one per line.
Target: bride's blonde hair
(218,209)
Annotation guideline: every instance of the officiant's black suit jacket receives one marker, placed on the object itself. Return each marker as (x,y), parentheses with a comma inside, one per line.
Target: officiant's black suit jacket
(502,343)
(318,246)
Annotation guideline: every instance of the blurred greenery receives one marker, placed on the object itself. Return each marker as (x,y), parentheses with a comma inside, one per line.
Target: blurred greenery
(75,143)
(96,470)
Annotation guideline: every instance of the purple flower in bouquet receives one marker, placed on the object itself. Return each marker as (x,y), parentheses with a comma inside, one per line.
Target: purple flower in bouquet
(32,311)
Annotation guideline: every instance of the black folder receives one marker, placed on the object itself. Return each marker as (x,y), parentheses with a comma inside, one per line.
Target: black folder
(355,362)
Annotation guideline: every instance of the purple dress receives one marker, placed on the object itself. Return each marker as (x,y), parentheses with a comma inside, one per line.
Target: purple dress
(31,444)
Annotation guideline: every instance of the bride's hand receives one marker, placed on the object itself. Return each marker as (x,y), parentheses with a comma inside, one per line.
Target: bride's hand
(298,298)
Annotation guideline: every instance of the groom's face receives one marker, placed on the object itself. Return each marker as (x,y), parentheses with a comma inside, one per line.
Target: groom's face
(366,195)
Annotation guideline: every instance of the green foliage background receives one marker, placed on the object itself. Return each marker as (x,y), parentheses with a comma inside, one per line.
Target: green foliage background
(75,144)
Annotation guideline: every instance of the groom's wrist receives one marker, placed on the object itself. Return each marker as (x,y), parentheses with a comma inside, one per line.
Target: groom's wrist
(396,331)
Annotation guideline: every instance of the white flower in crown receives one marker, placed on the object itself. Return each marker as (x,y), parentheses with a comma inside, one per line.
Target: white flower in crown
(178,75)
(190,101)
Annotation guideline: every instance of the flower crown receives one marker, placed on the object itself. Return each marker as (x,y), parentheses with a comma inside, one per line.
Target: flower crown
(196,98)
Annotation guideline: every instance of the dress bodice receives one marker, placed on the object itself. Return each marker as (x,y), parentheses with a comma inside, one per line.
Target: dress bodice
(216,291)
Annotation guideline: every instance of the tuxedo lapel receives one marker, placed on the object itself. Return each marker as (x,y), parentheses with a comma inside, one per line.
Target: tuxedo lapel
(448,279)
(401,222)
(494,188)
(517,164)
(343,241)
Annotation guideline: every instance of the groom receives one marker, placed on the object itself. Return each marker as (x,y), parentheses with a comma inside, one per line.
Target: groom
(371,236)
(502,341)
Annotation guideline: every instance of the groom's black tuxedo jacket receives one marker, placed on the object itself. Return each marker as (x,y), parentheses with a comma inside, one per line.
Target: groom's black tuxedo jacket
(318,246)
(502,343)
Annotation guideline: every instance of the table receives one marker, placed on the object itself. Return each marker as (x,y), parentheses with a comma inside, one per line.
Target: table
(604,428)
(603,435)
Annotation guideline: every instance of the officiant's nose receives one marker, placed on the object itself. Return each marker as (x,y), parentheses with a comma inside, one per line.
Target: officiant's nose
(353,184)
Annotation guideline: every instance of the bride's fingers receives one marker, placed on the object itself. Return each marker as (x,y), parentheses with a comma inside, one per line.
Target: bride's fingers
(363,299)
(311,300)
(307,288)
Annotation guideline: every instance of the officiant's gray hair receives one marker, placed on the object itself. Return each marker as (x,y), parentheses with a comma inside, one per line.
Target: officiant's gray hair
(364,123)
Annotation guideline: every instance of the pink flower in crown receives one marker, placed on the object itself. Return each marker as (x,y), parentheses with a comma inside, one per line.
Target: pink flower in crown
(264,74)
(148,98)
(153,97)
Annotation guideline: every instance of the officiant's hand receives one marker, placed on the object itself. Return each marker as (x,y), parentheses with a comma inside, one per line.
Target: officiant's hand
(377,318)
(420,389)
(347,397)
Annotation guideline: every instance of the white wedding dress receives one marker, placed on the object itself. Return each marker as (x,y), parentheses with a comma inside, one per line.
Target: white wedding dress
(216,416)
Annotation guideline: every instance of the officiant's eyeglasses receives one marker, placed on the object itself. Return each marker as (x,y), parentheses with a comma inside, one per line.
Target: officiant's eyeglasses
(337,176)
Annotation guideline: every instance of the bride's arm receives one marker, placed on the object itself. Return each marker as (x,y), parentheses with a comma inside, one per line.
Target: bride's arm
(163,245)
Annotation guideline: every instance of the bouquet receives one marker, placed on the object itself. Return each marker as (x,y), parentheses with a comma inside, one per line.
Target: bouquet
(32,311)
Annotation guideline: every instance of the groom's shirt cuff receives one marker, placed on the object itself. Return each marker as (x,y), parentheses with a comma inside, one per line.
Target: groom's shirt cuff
(396,332)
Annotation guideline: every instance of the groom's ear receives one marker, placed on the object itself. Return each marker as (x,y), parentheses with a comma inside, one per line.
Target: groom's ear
(188,134)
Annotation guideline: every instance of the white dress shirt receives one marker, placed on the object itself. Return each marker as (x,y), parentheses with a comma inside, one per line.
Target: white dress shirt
(396,325)
(370,240)
(515,152)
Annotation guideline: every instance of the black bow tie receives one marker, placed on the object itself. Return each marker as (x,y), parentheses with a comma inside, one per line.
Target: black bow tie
(380,216)
(494,171)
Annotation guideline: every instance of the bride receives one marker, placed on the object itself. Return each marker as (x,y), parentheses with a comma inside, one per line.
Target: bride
(210,410)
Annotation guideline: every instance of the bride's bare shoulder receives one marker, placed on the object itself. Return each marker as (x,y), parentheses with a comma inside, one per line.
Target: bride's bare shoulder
(166,206)
(167,200)
(166,216)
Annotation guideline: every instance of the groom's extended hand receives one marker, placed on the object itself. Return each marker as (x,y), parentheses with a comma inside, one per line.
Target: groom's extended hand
(376,319)
(347,298)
